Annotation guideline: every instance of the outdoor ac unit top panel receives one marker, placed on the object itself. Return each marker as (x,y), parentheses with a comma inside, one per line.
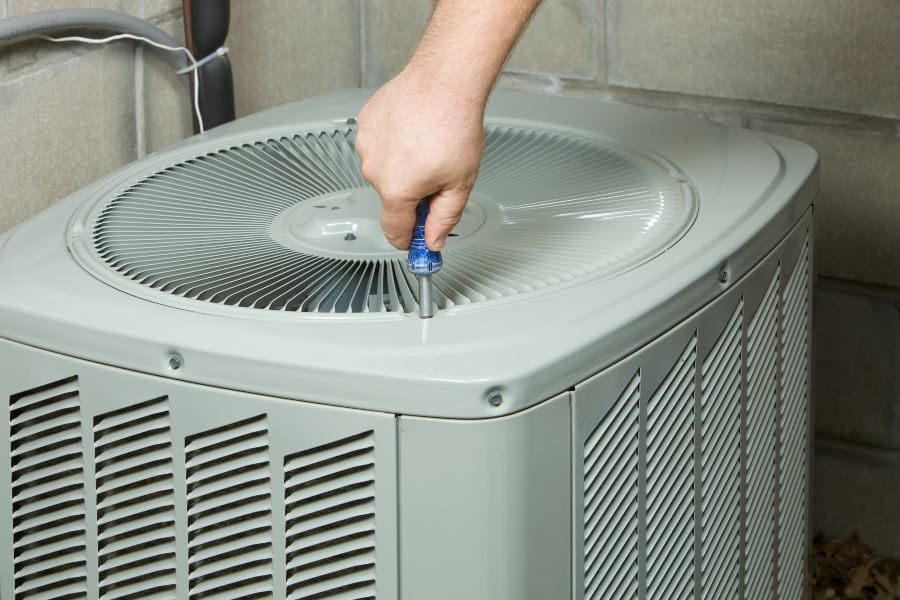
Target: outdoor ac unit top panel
(253,252)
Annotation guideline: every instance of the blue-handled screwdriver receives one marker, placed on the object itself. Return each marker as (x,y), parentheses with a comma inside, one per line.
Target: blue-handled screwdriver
(422,262)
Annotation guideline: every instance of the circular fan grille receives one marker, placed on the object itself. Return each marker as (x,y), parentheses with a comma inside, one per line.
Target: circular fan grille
(288,224)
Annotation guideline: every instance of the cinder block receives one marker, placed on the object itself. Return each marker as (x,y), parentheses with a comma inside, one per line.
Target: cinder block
(151,10)
(562,39)
(154,10)
(713,110)
(856,490)
(857,350)
(20,58)
(168,102)
(391,29)
(62,128)
(21,7)
(829,54)
(857,212)
(165,95)
(284,51)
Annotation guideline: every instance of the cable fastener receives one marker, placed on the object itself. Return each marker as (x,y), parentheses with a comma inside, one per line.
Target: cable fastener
(219,52)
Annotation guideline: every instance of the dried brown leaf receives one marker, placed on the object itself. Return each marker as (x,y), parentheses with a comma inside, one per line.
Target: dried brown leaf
(886,575)
(847,569)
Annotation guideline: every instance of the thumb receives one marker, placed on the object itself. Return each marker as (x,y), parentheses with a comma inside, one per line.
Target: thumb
(444,212)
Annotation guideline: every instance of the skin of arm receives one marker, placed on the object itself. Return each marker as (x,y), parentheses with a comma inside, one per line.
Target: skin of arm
(422,133)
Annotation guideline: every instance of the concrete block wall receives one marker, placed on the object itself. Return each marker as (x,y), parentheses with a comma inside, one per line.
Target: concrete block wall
(284,50)
(822,71)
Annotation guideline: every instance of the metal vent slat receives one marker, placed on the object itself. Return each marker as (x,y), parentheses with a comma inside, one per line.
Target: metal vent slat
(136,501)
(563,207)
(793,430)
(330,520)
(720,460)
(48,492)
(759,442)
(611,501)
(670,481)
(229,511)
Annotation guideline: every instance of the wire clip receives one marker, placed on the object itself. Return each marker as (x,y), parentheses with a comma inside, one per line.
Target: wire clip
(220,52)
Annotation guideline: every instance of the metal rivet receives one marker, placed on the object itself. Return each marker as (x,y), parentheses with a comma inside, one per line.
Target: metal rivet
(495,398)
(176,362)
(723,275)
(350,237)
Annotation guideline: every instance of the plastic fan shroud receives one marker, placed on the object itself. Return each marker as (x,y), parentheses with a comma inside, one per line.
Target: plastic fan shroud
(288,224)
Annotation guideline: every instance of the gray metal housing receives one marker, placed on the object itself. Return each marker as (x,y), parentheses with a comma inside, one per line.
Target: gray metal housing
(653,439)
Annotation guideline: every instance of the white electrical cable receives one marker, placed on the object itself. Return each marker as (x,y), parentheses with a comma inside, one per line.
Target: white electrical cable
(123,36)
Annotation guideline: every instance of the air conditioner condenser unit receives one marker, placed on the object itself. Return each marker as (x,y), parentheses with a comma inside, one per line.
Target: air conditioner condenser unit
(217,384)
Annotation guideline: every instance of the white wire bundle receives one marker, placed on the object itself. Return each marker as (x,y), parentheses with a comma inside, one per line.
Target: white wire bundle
(123,36)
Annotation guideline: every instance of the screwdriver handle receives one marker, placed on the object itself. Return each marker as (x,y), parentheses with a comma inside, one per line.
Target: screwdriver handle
(420,260)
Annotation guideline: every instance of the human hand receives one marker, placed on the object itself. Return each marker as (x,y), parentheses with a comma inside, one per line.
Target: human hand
(418,138)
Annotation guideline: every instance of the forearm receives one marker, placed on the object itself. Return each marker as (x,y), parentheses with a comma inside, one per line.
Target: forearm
(467,42)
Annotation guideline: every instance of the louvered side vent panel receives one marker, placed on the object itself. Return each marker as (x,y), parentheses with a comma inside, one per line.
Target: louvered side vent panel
(720,464)
(759,456)
(135,501)
(670,481)
(611,501)
(793,417)
(330,520)
(703,492)
(229,508)
(48,492)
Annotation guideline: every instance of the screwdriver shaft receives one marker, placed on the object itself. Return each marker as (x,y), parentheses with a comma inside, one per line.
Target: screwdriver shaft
(426,305)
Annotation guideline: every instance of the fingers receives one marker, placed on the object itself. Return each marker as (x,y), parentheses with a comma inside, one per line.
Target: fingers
(398,217)
(398,209)
(445,210)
